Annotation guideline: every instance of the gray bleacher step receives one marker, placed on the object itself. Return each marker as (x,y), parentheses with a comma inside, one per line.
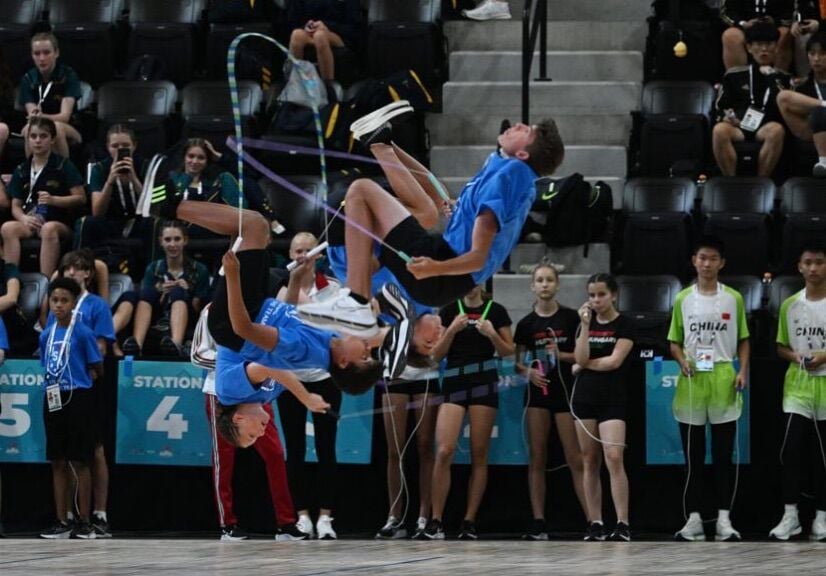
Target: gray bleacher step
(456,183)
(504,99)
(446,161)
(579,34)
(513,291)
(457,129)
(506,66)
(593,10)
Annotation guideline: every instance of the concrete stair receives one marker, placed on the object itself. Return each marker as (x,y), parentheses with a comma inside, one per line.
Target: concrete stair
(587,66)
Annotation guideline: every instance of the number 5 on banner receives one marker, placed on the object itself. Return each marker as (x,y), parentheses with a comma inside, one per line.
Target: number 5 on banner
(162,419)
(21,421)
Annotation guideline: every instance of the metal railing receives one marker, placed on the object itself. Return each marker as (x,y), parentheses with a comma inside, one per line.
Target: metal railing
(534,27)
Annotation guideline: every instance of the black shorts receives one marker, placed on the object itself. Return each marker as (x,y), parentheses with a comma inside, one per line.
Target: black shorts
(72,431)
(414,240)
(599,412)
(465,392)
(413,387)
(254,268)
(555,400)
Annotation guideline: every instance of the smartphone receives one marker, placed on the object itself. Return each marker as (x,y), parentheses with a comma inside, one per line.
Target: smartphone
(123,153)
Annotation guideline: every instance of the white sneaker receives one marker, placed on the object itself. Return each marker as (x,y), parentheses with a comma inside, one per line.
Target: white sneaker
(305,524)
(818,533)
(789,526)
(725,531)
(489,10)
(375,119)
(342,313)
(324,526)
(693,530)
(819,170)
(392,530)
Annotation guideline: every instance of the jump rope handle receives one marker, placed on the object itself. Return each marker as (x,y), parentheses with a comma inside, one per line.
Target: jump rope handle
(235,246)
(333,414)
(321,247)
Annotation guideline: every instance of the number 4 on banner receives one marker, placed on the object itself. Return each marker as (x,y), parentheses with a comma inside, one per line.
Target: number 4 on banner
(162,420)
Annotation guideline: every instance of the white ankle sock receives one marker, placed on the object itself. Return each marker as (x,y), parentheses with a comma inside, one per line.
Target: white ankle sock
(101,514)
(723,515)
(821,159)
(820,516)
(695,516)
(790,509)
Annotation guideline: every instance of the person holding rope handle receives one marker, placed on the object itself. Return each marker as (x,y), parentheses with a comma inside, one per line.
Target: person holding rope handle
(599,402)
(709,336)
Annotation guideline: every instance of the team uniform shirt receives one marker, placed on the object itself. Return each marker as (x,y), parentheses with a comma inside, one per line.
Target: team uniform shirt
(802,327)
(195,274)
(505,187)
(57,178)
(535,333)
(315,374)
(94,312)
(709,327)
(745,86)
(470,348)
(124,197)
(63,83)
(221,189)
(4,337)
(67,363)
(232,386)
(605,388)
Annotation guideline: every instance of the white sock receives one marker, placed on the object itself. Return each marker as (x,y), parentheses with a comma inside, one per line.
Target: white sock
(324,516)
(307,516)
(820,516)
(597,521)
(790,509)
(823,103)
(722,515)
(101,514)
(70,516)
(695,516)
(821,159)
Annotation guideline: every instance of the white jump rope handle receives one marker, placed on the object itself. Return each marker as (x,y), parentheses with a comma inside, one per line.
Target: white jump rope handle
(294,264)
(235,246)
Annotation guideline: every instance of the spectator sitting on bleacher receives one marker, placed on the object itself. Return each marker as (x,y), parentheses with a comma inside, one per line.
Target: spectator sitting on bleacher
(741,15)
(115,186)
(803,108)
(25,338)
(46,189)
(175,287)
(50,90)
(200,179)
(746,105)
(323,24)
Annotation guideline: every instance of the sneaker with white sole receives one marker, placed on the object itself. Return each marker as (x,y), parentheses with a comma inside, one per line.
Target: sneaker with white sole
(393,529)
(693,530)
(818,533)
(394,349)
(305,524)
(819,170)
(289,533)
(233,533)
(324,527)
(59,531)
(341,313)
(434,530)
(421,525)
(789,526)
(392,301)
(489,10)
(725,532)
(377,118)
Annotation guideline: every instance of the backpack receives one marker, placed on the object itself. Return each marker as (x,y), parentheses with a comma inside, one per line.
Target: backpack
(577,212)
(401,85)
(144,68)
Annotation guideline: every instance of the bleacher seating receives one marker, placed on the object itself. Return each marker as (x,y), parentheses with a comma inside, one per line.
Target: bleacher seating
(17,18)
(207,111)
(804,208)
(648,300)
(33,288)
(118,284)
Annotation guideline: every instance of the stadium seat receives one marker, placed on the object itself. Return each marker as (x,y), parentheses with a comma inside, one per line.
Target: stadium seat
(177,11)
(219,38)
(658,195)
(671,97)
(648,300)
(804,207)
(656,243)
(781,288)
(17,18)
(33,289)
(739,194)
(295,213)
(118,284)
(751,288)
(143,106)
(207,110)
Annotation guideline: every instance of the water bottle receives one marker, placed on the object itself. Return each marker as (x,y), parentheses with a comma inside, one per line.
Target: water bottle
(41,210)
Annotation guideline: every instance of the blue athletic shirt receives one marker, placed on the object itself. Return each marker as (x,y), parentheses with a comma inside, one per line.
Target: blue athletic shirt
(4,337)
(82,351)
(337,256)
(299,345)
(232,385)
(95,313)
(505,186)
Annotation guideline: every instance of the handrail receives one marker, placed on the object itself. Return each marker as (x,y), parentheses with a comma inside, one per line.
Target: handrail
(534,26)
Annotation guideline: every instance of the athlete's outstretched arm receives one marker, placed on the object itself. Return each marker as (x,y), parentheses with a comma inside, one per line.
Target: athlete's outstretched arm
(265,337)
(484,230)
(258,372)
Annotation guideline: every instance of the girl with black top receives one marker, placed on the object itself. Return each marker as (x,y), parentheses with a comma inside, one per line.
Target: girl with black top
(477,330)
(599,399)
(544,356)
(46,192)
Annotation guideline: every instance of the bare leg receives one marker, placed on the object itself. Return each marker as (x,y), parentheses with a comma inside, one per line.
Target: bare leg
(481,425)
(795,109)
(298,42)
(65,135)
(60,487)
(122,316)
(223,219)
(100,479)
(592,463)
(84,489)
(538,421)
(324,41)
(734,48)
(820,143)
(50,235)
(448,427)
(4,136)
(723,137)
(178,319)
(772,136)
(573,456)
(143,316)
(406,185)
(785,50)
(419,172)
(13,232)
(395,432)
(613,431)
(425,435)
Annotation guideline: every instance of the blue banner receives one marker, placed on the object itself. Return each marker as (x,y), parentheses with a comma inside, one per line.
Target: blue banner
(22,433)
(662,432)
(354,438)
(161,415)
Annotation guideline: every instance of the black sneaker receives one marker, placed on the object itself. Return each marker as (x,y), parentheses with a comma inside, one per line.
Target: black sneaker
(393,529)
(233,533)
(392,301)
(84,531)
(59,531)
(164,201)
(101,527)
(381,135)
(621,533)
(421,526)
(468,530)
(536,531)
(169,347)
(290,532)
(434,530)
(130,347)
(595,533)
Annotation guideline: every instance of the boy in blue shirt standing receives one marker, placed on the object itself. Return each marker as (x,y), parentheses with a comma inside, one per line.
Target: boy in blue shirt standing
(71,359)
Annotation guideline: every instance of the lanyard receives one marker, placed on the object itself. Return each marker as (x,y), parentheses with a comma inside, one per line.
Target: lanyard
(751,89)
(698,318)
(43,93)
(33,176)
(122,195)
(817,89)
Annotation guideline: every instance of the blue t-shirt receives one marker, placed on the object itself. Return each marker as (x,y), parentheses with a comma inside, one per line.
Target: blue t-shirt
(4,337)
(337,256)
(299,345)
(72,367)
(232,385)
(505,186)
(95,313)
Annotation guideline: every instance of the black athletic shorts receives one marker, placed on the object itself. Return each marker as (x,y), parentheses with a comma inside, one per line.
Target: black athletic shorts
(72,431)
(413,387)
(414,240)
(254,268)
(466,392)
(555,400)
(599,412)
